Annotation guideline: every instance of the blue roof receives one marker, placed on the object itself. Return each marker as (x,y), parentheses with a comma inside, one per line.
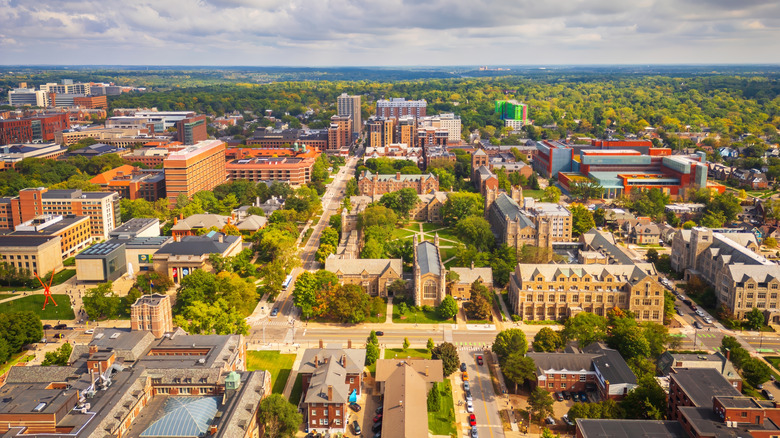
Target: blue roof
(184,417)
(428,258)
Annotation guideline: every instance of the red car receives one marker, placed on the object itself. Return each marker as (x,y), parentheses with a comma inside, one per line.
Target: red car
(472,420)
(378,418)
(479,360)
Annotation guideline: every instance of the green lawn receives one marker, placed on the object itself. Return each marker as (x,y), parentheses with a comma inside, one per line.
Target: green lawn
(62,311)
(400,353)
(279,365)
(70,261)
(59,278)
(447,253)
(400,233)
(442,422)
(4,296)
(533,193)
(447,234)
(297,389)
(15,359)
(775,361)
(419,317)
(430,227)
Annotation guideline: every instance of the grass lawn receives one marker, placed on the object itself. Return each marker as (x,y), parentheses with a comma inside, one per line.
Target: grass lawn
(442,422)
(297,389)
(400,353)
(4,296)
(59,278)
(447,253)
(420,317)
(775,361)
(279,365)
(430,227)
(70,261)
(35,303)
(15,359)
(400,233)
(447,234)
(533,193)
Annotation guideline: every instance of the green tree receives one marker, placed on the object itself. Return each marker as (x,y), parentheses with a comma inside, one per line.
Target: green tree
(448,308)
(754,319)
(585,328)
(216,317)
(646,401)
(688,225)
(713,219)
(448,355)
(652,255)
(434,399)
(460,205)
(519,368)
(584,190)
(279,417)
(406,343)
(509,341)
(475,230)
(755,371)
(372,353)
(581,218)
(350,303)
(551,194)
(59,356)
(430,345)
(19,329)
(547,339)
(540,404)
(101,302)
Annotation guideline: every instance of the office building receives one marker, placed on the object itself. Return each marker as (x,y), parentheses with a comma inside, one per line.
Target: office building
(340,133)
(96,150)
(288,138)
(429,273)
(41,254)
(91,102)
(102,262)
(347,105)
(67,87)
(375,184)
(103,135)
(137,227)
(399,106)
(101,207)
(669,361)
(35,129)
(292,170)
(139,251)
(152,313)
(14,153)
(552,157)
(150,157)
(372,275)
(28,97)
(193,169)
(133,182)
(191,130)
(446,121)
(73,231)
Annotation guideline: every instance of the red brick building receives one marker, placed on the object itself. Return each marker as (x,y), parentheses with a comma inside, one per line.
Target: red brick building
(91,102)
(30,129)
(192,130)
(375,184)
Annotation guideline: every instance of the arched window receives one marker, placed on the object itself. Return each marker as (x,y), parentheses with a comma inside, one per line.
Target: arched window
(429,290)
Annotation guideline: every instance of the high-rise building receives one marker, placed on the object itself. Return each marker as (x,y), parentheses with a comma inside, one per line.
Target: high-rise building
(194,168)
(448,121)
(513,113)
(398,106)
(67,87)
(339,133)
(350,106)
(381,131)
(191,130)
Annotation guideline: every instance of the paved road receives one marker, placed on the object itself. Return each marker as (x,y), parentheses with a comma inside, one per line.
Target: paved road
(485,401)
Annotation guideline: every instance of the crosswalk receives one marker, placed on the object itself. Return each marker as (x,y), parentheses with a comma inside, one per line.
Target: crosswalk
(472,346)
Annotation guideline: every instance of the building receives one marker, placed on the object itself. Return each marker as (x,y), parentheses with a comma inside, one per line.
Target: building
(347,105)
(96,150)
(67,87)
(91,102)
(139,251)
(381,132)
(595,368)
(150,157)
(331,378)
(12,154)
(742,279)
(513,113)
(155,121)
(197,223)
(399,106)
(696,387)
(537,224)
(448,122)
(28,97)
(35,129)
(287,138)
(429,276)
(404,385)
(373,275)
(558,291)
(376,184)
(193,169)
(152,313)
(32,253)
(102,262)
(428,207)
(669,361)
(292,170)
(114,136)
(647,234)
(131,182)
(551,158)
(73,231)
(340,133)
(137,227)
(191,130)
(101,207)
(628,428)
(461,288)
(750,178)
(395,151)
(180,258)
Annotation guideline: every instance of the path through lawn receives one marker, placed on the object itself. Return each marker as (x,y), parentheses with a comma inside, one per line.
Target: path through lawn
(280,366)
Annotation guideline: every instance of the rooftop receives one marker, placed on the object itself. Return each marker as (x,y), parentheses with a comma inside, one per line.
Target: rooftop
(702,384)
(100,250)
(199,245)
(630,429)
(135,226)
(428,258)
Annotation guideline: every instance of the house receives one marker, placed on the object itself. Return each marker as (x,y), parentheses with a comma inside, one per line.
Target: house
(648,234)
(373,275)
(461,288)
(593,368)
(405,383)
(750,178)
(727,152)
(331,379)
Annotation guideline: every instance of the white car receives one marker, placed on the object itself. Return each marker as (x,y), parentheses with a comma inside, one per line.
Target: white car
(469,407)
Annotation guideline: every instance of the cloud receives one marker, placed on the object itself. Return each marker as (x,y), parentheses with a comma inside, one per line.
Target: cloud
(395,32)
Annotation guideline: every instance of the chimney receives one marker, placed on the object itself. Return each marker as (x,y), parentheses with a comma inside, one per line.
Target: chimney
(93,349)
(472,264)
(181,215)
(728,354)
(175,220)
(344,360)
(320,343)
(316,362)
(330,392)
(221,238)
(426,371)
(349,343)
(398,176)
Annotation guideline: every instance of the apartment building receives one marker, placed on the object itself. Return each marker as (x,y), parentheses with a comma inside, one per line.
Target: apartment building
(399,106)
(193,169)
(370,184)
(292,170)
(73,231)
(350,106)
(446,121)
(35,129)
(191,130)
(340,133)
(554,292)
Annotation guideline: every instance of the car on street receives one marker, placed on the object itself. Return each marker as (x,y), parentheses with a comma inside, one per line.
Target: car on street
(550,421)
(768,395)
(377,427)
(777,383)
(760,386)
(472,420)
(468,396)
(378,418)
(465,376)
(355,407)
(356,427)
(679,312)
(89,331)
(47,326)
(474,433)
(698,325)
(708,320)
(559,396)
(479,360)
(274,311)
(380,333)
(378,434)
(462,366)
(59,336)
(583,397)
(566,420)
(469,407)
(466,386)
(60,327)
(378,410)
(694,308)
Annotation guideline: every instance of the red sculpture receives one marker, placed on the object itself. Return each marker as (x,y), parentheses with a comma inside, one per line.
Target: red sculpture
(47,290)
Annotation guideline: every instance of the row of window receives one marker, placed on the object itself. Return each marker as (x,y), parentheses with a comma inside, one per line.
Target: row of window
(576,298)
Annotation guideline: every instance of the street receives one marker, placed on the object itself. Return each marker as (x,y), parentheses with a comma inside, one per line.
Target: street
(484,397)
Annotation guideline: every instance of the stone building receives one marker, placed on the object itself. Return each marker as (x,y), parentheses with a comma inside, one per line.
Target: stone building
(152,313)
(429,273)
(371,184)
(428,207)
(373,275)
(461,288)
(535,223)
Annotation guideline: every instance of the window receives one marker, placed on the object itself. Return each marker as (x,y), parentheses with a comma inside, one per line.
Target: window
(562,298)
(429,290)
(551,298)
(563,385)
(351,380)
(646,314)
(582,377)
(551,385)
(540,297)
(655,314)
(529,297)
(611,299)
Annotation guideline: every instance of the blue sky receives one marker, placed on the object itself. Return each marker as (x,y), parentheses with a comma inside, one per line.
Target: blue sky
(388,32)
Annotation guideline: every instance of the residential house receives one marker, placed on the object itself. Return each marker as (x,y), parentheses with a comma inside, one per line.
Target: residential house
(648,234)
(404,384)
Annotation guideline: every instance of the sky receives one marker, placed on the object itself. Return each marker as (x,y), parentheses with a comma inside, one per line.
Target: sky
(388,32)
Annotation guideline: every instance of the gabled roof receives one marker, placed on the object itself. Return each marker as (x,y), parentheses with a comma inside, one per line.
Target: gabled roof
(470,275)
(610,364)
(252,222)
(356,358)
(199,245)
(201,221)
(358,266)
(328,384)
(428,258)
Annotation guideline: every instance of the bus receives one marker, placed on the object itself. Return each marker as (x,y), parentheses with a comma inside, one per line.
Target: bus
(287,281)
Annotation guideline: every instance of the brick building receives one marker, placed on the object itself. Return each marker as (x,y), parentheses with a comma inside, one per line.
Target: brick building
(339,133)
(39,128)
(399,106)
(191,130)
(376,184)
(373,275)
(194,168)
(91,102)
(73,231)
(133,182)
(292,170)
(152,313)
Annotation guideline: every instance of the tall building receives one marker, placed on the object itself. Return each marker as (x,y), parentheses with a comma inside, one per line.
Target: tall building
(447,121)
(399,106)
(67,87)
(152,313)
(191,130)
(350,106)
(36,129)
(513,113)
(339,133)
(28,97)
(194,168)
(381,131)
(406,131)
(101,207)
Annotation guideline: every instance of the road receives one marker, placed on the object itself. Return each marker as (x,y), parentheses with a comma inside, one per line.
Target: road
(484,397)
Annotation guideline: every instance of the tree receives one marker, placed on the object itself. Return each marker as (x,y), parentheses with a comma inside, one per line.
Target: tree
(480,306)
(585,328)
(430,345)
(217,317)
(460,205)
(448,355)
(627,338)
(372,353)
(19,329)
(475,230)
(279,417)
(547,339)
(402,201)
(713,219)
(584,190)
(551,194)
(652,255)
(448,308)
(646,401)
(101,302)
(434,399)
(350,304)
(755,371)
(372,338)
(540,404)
(323,252)
(519,368)
(688,225)
(509,341)
(754,319)
(581,218)
(59,356)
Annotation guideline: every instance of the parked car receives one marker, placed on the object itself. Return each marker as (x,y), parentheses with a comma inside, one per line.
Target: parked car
(698,325)
(566,420)
(356,427)
(679,312)
(694,308)
(462,366)
(583,397)
(60,326)
(378,410)
(465,376)
(89,331)
(380,333)
(708,320)
(479,360)
(355,407)
(47,326)
(474,433)
(777,383)
(550,421)
(687,302)
(760,386)
(768,395)
(566,395)
(468,396)
(559,396)
(274,311)
(469,407)
(378,418)
(376,427)
(378,434)
(466,386)
(472,420)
